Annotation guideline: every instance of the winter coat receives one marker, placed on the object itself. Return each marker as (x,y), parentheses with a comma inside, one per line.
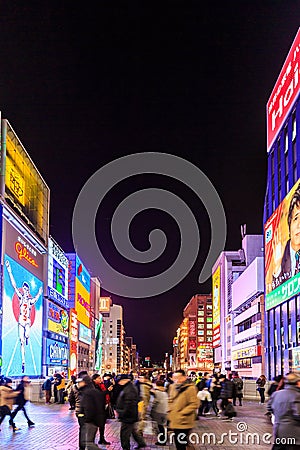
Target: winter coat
(92,405)
(7,396)
(227,389)
(239,385)
(183,404)
(285,405)
(47,385)
(260,382)
(159,405)
(215,389)
(145,388)
(74,397)
(127,404)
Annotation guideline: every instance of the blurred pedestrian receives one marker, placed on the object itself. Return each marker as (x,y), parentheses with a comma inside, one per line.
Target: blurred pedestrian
(92,411)
(7,396)
(23,396)
(275,384)
(215,389)
(182,407)
(227,391)
(285,405)
(238,391)
(127,411)
(145,386)
(261,382)
(159,411)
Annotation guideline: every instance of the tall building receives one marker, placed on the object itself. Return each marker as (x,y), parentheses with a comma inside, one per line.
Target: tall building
(281,213)
(113,339)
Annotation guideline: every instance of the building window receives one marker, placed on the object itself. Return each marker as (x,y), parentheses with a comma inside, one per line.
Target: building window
(294,126)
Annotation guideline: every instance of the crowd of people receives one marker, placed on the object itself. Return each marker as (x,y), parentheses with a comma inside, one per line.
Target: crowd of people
(173,402)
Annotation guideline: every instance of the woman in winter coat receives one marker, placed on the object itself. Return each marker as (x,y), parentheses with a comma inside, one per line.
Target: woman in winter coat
(159,410)
(7,396)
(261,381)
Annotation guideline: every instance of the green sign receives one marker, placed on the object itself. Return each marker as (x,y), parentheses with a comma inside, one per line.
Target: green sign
(285,291)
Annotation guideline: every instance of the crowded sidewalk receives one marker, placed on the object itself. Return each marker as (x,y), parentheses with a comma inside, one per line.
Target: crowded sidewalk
(56,428)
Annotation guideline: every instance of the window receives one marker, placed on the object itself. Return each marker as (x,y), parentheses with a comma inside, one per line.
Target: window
(294,127)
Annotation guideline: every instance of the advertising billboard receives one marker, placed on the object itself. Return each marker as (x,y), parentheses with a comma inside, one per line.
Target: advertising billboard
(282,243)
(57,319)
(284,93)
(56,353)
(58,268)
(25,189)
(99,343)
(79,289)
(22,320)
(85,334)
(216,289)
(73,341)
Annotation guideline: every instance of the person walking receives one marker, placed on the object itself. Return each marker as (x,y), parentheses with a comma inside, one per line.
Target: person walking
(261,381)
(284,404)
(182,407)
(145,386)
(98,383)
(23,389)
(92,411)
(7,396)
(127,411)
(238,391)
(159,411)
(227,391)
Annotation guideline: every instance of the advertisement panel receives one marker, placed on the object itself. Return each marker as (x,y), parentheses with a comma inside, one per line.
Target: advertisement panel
(79,289)
(284,93)
(82,304)
(85,334)
(104,304)
(24,186)
(22,321)
(58,319)
(56,353)
(58,268)
(99,343)
(73,341)
(216,289)
(282,244)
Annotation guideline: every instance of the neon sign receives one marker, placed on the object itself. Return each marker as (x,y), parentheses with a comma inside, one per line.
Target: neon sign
(23,253)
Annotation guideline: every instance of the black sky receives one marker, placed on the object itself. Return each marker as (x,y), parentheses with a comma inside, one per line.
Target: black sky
(83,86)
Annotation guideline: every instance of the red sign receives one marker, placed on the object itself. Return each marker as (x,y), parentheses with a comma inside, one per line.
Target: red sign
(284,93)
(192,328)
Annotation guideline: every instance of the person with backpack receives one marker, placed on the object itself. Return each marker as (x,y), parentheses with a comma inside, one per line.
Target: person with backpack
(238,391)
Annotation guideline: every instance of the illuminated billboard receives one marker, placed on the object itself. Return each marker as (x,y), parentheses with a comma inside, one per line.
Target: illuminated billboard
(79,289)
(58,319)
(22,320)
(216,289)
(99,343)
(58,267)
(85,334)
(284,93)
(25,189)
(73,341)
(282,243)
(56,353)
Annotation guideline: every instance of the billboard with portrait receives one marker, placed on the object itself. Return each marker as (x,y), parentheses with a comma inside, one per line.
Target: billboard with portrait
(216,289)
(22,320)
(282,250)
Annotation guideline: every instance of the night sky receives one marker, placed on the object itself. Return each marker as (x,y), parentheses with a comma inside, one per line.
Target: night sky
(84,86)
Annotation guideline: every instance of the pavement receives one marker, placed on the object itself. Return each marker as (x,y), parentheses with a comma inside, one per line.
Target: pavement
(56,428)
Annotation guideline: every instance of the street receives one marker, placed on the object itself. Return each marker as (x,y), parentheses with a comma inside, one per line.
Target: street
(56,428)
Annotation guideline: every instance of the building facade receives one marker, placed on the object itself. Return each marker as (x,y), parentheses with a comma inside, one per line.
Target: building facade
(282,283)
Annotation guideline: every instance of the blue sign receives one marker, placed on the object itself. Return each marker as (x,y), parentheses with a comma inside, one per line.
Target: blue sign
(56,353)
(85,334)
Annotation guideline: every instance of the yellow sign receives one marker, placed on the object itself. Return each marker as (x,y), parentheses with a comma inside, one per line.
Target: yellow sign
(82,304)
(15,182)
(216,282)
(104,304)
(244,353)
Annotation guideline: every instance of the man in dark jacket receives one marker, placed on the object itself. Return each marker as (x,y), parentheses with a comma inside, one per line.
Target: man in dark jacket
(127,410)
(227,391)
(92,411)
(74,397)
(285,405)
